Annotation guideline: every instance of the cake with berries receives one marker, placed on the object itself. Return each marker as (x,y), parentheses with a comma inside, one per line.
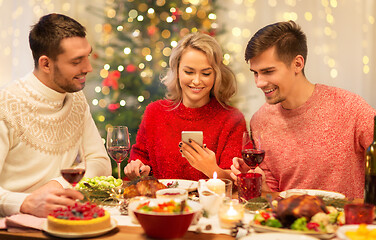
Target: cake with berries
(79,218)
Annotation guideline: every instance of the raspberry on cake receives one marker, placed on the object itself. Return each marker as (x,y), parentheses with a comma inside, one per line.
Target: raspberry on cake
(79,218)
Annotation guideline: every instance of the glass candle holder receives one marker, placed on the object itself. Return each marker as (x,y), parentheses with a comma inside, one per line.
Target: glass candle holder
(230,213)
(212,193)
(359,213)
(249,186)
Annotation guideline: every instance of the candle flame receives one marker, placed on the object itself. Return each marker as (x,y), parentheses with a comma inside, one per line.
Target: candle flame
(232,211)
(215,175)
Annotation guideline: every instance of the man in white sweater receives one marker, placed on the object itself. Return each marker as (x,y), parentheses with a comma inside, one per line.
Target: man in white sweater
(44,119)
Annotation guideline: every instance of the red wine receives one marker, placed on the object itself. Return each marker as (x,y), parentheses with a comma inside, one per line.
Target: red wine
(73,175)
(253,157)
(370,173)
(118,153)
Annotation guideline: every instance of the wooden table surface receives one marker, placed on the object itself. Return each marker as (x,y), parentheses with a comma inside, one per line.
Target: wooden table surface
(119,233)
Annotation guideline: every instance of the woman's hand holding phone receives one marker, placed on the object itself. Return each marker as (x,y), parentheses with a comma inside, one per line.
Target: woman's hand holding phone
(197,154)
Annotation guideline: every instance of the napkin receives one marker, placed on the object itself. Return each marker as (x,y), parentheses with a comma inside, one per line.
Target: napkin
(22,223)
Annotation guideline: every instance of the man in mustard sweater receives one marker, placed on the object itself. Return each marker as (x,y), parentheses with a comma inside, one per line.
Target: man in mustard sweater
(44,119)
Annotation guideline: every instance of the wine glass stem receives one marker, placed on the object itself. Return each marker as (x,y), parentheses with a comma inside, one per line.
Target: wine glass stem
(119,173)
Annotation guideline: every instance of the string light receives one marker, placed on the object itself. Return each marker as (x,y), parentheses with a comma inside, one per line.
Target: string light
(121,68)
(174,43)
(127,50)
(97,89)
(212,16)
(140,18)
(140,98)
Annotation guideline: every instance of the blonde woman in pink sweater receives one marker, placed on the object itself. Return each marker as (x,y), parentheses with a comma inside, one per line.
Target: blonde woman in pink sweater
(314,135)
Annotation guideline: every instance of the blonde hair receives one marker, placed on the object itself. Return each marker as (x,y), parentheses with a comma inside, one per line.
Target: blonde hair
(225,82)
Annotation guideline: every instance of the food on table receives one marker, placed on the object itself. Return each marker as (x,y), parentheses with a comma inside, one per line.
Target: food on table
(303,213)
(165,207)
(297,206)
(267,218)
(362,233)
(335,202)
(255,204)
(98,188)
(99,183)
(145,186)
(172,193)
(162,218)
(173,184)
(79,218)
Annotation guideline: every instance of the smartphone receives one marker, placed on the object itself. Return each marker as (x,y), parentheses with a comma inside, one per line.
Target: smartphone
(197,136)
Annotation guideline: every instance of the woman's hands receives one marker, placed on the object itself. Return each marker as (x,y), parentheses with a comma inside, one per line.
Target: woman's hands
(135,169)
(201,158)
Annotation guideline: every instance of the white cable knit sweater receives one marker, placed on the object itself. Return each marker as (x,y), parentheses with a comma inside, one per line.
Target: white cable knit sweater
(40,132)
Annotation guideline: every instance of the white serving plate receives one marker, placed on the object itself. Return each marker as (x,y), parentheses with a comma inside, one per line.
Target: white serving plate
(314,192)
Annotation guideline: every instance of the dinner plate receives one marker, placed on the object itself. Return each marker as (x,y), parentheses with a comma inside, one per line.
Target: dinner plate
(182,183)
(80,235)
(341,231)
(265,229)
(314,192)
(277,236)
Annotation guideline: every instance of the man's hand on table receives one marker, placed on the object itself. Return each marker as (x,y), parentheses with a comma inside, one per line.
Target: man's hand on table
(49,197)
(239,166)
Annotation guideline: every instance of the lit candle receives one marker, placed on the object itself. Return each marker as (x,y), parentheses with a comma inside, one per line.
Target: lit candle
(230,213)
(216,185)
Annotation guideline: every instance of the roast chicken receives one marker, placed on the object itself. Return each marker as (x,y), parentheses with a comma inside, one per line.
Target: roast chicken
(291,208)
(146,186)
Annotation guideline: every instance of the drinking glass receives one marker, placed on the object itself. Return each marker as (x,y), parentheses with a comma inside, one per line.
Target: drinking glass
(252,153)
(249,186)
(118,144)
(359,213)
(74,173)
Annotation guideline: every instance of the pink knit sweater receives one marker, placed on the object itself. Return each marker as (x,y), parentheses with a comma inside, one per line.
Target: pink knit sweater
(320,145)
(160,133)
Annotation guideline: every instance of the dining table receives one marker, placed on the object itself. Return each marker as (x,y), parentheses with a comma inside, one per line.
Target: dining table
(121,232)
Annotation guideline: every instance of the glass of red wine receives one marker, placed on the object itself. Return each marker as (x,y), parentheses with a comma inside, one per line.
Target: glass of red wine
(74,173)
(118,144)
(252,153)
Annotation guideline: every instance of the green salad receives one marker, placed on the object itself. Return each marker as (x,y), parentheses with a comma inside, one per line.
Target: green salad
(99,183)
(99,189)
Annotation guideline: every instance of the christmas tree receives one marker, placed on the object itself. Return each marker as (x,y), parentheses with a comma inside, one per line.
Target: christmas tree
(133,53)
